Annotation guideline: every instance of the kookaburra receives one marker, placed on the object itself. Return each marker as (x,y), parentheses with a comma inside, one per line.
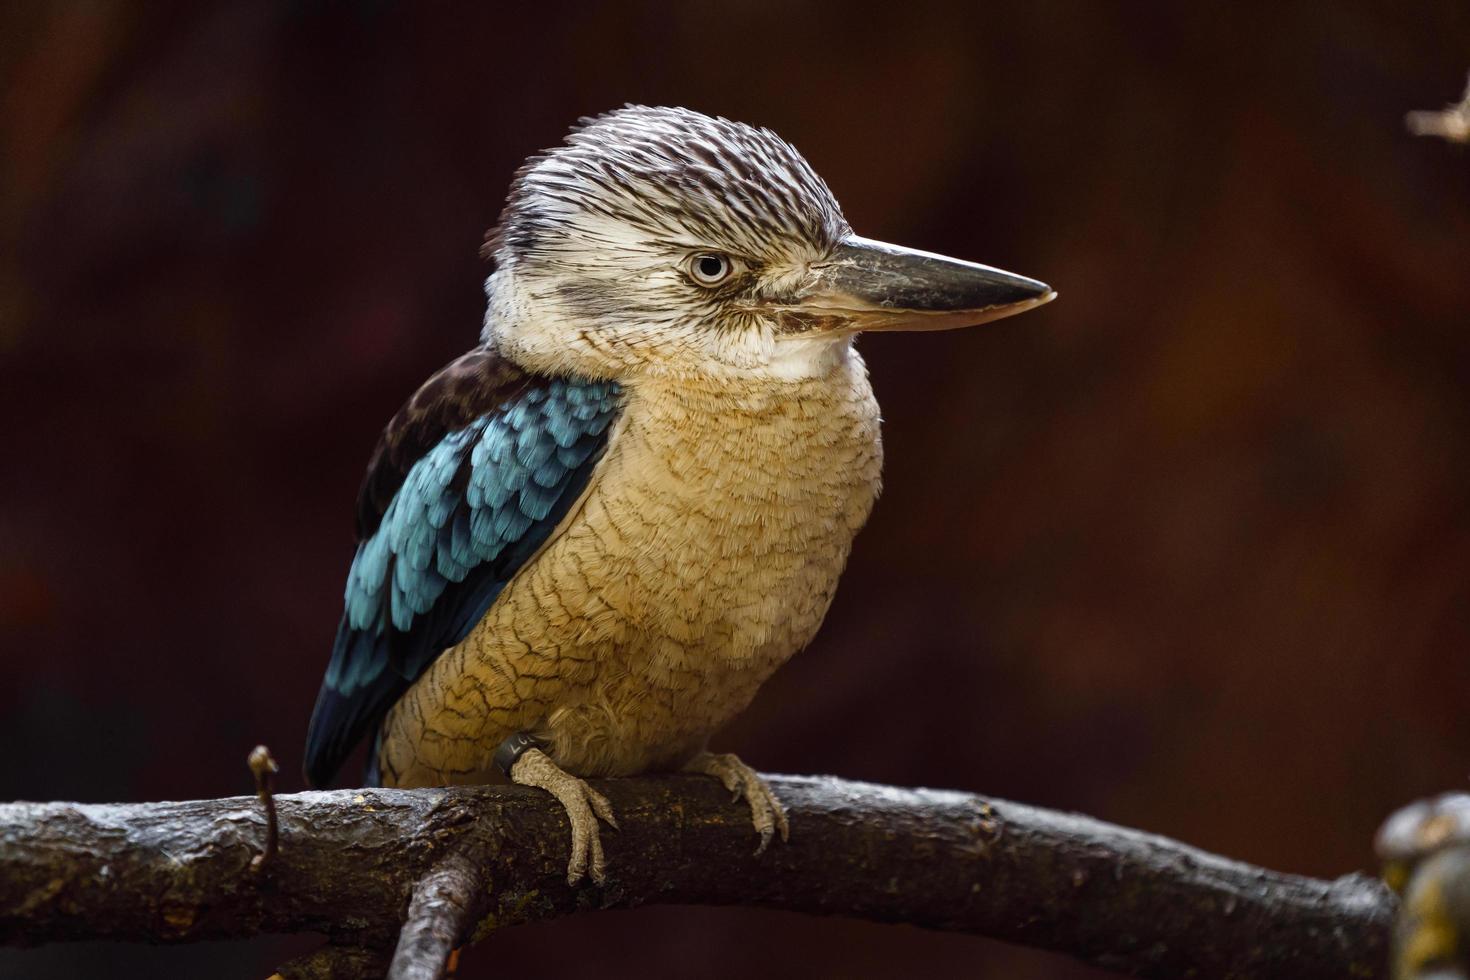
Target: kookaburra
(585,544)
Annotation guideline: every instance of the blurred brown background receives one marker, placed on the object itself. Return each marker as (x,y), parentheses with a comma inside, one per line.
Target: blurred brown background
(1186,550)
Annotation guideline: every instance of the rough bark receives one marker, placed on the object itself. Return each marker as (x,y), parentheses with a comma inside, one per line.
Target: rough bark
(458,863)
(440,914)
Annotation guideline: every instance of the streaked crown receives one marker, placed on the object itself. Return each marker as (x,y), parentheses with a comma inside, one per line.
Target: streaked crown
(674,175)
(653,239)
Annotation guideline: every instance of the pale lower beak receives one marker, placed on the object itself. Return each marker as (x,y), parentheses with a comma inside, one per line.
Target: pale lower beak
(868,285)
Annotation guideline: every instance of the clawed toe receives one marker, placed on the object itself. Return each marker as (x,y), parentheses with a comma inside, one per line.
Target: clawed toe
(768,815)
(766,812)
(587,858)
(601,807)
(584,807)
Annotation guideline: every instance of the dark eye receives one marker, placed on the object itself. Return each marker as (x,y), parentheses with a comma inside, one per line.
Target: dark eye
(710,268)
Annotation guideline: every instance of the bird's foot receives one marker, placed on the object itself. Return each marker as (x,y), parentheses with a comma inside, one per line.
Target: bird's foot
(584,806)
(766,811)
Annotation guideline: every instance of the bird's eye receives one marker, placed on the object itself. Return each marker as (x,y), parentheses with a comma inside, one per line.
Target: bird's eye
(710,268)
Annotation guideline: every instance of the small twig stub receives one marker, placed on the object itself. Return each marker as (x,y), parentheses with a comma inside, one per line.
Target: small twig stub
(263,767)
(1450,123)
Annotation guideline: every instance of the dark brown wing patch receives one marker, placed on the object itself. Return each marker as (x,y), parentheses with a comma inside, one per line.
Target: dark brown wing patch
(469,386)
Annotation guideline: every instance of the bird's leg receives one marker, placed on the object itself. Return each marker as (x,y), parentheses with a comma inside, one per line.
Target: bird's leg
(766,811)
(584,806)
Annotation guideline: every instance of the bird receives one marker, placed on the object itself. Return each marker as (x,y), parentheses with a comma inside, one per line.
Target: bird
(583,545)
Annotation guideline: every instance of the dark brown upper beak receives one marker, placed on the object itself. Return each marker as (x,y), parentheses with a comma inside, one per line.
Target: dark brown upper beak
(876,286)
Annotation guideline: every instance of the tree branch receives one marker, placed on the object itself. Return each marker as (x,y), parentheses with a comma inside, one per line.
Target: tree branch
(355,865)
(439,917)
(1425,848)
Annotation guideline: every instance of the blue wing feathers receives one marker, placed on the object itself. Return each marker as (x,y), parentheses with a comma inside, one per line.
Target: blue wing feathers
(467,515)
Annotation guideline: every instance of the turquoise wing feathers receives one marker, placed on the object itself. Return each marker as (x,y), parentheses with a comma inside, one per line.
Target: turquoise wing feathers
(468,482)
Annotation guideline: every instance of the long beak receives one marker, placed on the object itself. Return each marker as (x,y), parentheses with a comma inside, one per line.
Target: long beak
(868,285)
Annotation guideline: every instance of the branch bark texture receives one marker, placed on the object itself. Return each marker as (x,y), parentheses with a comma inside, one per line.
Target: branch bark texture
(456,864)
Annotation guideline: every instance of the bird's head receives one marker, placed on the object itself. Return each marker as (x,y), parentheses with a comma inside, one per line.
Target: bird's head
(664,241)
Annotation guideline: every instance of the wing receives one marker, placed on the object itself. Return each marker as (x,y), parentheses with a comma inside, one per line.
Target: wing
(467,483)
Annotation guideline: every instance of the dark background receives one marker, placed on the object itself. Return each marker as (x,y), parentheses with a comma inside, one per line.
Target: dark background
(1186,550)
